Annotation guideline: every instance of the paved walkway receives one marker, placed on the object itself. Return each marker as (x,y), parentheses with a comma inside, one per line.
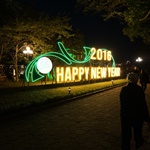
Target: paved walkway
(89,123)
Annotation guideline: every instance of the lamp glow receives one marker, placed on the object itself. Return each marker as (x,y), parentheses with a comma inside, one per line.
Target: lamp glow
(139,59)
(28,50)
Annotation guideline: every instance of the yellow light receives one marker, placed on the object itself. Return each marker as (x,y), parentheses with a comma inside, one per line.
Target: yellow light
(74,73)
(105,55)
(60,74)
(67,74)
(100,54)
(81,72)
(103,72)
(113,72)
(87,73)
(93,51)
(109,55)
(93,72)
(98,73)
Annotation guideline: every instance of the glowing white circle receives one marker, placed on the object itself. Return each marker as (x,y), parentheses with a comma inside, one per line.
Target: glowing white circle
(44,65)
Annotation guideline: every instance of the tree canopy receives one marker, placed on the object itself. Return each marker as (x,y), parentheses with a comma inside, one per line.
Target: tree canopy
(133,14)
(22,26)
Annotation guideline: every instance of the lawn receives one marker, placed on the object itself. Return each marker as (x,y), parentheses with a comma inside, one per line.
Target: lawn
(19,98)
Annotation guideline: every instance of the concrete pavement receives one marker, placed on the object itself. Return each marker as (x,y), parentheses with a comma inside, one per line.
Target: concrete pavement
(89,123)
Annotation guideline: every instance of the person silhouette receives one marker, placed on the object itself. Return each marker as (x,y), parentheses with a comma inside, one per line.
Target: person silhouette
(144,79)
(133,112)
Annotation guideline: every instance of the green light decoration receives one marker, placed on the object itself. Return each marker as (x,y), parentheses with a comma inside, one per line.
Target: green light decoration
(32,73)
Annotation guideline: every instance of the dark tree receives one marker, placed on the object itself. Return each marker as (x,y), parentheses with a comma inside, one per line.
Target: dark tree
(133,14)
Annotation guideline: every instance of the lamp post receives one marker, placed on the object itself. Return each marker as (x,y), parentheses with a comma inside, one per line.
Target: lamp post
(27,51)
(139,60)
(16,62)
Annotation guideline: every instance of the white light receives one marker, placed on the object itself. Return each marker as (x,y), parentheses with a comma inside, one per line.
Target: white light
(139,59)
(44,65)
(28,50)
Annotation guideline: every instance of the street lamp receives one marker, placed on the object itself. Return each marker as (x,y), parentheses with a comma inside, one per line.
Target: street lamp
(139,59)
(28,51)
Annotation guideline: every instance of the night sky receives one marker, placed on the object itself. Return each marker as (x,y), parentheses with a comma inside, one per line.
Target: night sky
(99,33)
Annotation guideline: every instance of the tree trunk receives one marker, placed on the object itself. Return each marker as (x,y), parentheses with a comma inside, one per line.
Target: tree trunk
(1,53)
(16,64)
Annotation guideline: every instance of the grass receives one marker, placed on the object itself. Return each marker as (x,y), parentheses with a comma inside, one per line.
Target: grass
(13,99)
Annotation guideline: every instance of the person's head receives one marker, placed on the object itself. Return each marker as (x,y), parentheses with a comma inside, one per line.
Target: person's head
(133,77)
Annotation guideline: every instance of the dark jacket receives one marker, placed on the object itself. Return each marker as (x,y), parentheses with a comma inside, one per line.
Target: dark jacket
(133,104)
(144,78)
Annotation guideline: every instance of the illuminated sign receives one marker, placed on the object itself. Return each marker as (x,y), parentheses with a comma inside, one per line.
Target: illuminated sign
(42,65)
(100,54)
(69,74)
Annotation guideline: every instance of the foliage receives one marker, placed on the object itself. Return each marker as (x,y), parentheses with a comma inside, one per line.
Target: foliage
(134,14)
(23,25)
(38,34)
(22,98)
